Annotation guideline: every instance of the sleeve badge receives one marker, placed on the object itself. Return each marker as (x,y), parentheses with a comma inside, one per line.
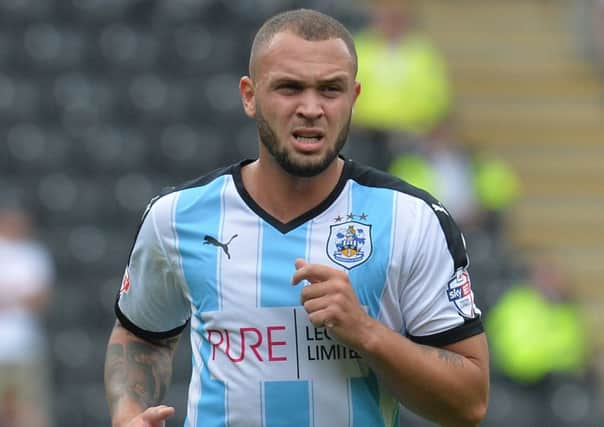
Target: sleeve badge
(459,292)
(125,283)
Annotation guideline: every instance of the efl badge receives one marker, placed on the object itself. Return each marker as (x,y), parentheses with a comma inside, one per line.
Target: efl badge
(460,293)
(125,283)
(349,243)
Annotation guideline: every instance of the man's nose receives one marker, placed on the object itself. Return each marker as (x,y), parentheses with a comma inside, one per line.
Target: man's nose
(310,106)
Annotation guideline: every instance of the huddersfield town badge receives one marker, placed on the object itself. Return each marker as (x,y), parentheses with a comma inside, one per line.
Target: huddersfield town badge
(349,243)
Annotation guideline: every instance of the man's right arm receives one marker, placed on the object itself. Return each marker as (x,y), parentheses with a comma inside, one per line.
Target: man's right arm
(137,376)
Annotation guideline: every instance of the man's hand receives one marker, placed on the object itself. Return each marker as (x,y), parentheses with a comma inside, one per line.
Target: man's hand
(154,416)
(330,301)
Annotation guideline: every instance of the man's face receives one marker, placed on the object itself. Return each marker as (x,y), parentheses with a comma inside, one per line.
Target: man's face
(302,98)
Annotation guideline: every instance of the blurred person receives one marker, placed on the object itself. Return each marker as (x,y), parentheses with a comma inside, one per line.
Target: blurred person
(318,290)
(539,341)
(405,79)
(476,189)
(25,281)
(440,166)
(539,316)
(403,73)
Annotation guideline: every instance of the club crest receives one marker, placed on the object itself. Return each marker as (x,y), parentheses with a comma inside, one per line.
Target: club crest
(349,243)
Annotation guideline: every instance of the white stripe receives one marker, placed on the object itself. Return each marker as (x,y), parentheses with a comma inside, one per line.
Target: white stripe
(349,396)
(259,247)
(219,251)
(237,291)
(333,380)
(349,194)
(308,237)
(311,400)
(179,267)
(236,288)
(390,311)
(262,405)
(321,225)
(195,384)
(226,403)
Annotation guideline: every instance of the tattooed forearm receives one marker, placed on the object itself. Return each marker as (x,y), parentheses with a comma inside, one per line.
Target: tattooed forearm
(116,377)
(453,359)
(149,373)
(139,370)
(450,357)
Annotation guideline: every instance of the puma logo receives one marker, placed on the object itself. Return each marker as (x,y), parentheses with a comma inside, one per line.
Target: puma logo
(209,240)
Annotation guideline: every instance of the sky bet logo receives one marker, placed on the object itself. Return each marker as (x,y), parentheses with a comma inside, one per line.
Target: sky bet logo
(459,292)
(459,286)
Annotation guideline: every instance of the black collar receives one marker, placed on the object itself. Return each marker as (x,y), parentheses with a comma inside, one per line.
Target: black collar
(296,222)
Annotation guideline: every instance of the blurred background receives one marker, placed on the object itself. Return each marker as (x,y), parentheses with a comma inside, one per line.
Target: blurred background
(496,107)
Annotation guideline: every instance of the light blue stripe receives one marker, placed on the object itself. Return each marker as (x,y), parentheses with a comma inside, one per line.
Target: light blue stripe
(198,214)
(211,408)
(369,278)
(279,252)
(286,404)
(371,206)
(365,402)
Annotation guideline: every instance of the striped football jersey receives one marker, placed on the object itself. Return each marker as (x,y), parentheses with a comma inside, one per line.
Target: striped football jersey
(207,253)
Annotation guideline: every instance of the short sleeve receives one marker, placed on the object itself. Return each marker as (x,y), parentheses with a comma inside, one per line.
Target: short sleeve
(153,302)
(437,300)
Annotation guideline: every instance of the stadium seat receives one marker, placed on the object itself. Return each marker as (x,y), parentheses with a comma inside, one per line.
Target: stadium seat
(24,9)
(126,48)
(20,100)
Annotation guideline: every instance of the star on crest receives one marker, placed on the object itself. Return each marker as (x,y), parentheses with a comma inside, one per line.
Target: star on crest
(363,216)
(350,216)
(337,219)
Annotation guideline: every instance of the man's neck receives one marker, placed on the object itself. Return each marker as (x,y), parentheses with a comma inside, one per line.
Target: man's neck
(284,196)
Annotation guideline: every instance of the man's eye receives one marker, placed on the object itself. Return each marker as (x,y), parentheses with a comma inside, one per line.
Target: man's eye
(331,90)
(288,88)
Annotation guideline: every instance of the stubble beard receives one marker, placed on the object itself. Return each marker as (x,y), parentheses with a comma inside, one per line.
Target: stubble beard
(281,154)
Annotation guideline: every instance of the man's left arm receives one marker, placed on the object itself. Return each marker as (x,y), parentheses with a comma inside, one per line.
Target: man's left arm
(448,385)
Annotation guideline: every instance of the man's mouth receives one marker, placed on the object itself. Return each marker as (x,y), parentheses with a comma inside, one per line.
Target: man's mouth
(307,139)
(308,136)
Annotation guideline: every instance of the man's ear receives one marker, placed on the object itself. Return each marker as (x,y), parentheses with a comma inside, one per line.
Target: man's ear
(356,90)
(248,98)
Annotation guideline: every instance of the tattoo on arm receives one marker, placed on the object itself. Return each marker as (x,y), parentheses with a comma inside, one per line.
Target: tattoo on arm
(453,359)
(141,370)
